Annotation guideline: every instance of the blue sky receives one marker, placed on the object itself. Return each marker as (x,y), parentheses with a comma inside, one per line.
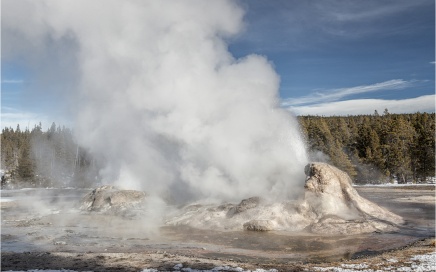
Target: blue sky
(331,51)
(333,58)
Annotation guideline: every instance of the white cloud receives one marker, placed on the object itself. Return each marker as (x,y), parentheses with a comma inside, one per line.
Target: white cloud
(337,94)
(424,103)
(12,81)
(11,117)
(24,119)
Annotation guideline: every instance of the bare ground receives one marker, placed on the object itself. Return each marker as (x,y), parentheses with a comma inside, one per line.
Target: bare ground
(164,261)
(48,246)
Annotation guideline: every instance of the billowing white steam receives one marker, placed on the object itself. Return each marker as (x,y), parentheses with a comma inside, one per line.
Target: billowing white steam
(162,100)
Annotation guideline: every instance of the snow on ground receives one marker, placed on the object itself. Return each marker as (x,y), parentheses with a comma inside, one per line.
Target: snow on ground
(425,262)
(393,185)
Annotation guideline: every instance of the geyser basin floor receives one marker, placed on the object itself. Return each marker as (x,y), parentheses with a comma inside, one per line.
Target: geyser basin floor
(50,223)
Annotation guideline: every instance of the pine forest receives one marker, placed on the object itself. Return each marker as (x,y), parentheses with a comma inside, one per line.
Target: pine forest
(372,149)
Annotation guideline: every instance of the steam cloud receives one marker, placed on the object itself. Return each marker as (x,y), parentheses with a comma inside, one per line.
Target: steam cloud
(159,97)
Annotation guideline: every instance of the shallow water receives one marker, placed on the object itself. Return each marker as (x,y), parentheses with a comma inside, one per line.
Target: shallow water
(49,220)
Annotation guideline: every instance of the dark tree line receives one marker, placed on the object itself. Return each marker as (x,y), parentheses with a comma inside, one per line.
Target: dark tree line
(44,158)
(375,148)
(370,148)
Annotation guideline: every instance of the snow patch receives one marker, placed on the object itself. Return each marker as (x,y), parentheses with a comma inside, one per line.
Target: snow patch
(424,263)
(394,184)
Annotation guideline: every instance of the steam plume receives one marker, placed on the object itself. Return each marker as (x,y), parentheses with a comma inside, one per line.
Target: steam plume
(163,102)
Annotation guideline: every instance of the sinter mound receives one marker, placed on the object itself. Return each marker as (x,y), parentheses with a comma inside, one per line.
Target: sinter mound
(112,200)
(330,206)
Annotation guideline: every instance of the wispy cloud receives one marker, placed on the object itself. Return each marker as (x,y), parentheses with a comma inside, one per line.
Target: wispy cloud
(11,117)
(367,10)
(311,23)
(12,81)
(424,103)
(337,94)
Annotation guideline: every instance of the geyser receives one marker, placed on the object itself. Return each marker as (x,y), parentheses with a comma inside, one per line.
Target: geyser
(330,206)
(161,100)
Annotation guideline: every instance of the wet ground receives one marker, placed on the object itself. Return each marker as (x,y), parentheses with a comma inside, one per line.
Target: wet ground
(46,221)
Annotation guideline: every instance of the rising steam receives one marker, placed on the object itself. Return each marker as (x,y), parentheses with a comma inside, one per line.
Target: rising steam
(161,100)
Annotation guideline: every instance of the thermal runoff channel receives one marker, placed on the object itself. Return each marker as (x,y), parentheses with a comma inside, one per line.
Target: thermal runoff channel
(160,99)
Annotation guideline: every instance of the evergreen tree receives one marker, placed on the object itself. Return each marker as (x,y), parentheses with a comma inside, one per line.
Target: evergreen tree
(369,148)
(423,146)
(377,146)
(26,166)
(398,159)
(340,159)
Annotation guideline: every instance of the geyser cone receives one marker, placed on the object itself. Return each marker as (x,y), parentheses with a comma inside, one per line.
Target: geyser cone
(113,200)
(330,206)
(337,208)
(329,191)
